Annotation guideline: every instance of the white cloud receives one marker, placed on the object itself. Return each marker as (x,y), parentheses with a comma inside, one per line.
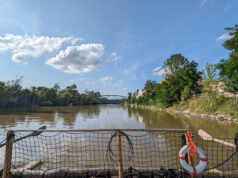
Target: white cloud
(78,59)
(118,83)
(228,6)
(112,57)
(9,41)
(26,46)
(71,81)
(125,71)
(125,89)
(90,83)
(134,67)
(82,78)
(203,2)
(159,71)
(225,36)
(130,70)
(105,79)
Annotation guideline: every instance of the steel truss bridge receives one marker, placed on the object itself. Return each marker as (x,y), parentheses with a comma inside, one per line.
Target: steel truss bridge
(113,98)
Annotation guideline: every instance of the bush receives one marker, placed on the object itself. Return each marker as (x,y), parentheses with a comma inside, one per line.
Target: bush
(186,94)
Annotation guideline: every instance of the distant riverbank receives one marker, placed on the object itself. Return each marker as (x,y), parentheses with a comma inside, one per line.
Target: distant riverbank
(13,95)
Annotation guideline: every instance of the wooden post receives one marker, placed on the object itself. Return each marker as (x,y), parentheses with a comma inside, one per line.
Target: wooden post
(119,155)
(183,142)
(189,158)
(190,161)
(8,155)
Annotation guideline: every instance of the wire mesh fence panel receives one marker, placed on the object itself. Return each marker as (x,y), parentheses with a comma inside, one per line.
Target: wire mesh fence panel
(63,152)
(221,154)
(96,153)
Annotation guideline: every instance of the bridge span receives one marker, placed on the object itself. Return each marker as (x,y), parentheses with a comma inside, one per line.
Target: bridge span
(113,99)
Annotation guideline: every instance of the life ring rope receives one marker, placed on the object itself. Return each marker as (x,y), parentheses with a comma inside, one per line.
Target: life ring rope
(192,150)
(194,170)
(202,159)
(182,158)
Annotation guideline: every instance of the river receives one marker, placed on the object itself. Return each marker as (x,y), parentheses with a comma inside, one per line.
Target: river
(109,116)
(106,116)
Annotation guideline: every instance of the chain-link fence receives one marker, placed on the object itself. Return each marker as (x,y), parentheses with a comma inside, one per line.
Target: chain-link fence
(106,153)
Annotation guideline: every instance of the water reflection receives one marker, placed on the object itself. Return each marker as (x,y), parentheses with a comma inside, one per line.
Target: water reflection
(154,119)
(105,116)
(159,119)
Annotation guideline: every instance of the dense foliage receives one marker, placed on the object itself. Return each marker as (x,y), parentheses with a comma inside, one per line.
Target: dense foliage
(181,77)
(13,95)
(182,80)
(229,67)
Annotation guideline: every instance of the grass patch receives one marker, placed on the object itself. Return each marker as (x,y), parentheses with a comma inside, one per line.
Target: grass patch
(210,105)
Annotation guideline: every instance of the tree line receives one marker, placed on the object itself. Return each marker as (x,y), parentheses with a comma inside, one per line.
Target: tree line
(12,94)
(182,80)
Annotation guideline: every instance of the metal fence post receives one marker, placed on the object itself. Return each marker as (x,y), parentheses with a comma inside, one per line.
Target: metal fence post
(8,155)
(119,155)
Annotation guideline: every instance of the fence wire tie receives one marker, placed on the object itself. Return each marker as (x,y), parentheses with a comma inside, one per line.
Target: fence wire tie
(9,135)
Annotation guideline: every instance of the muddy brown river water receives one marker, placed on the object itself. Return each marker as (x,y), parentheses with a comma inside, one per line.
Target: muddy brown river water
(114,116)
(106,116)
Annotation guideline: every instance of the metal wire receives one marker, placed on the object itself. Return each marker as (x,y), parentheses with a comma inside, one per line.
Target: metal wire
(88,153)
(223,162)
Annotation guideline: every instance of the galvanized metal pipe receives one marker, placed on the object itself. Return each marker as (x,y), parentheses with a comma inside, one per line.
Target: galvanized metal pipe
(105,130)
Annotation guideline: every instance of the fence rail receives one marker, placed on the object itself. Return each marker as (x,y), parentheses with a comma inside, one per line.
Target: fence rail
(105,130)
(112,152)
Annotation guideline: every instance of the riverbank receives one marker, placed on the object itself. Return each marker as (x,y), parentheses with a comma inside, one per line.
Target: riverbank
(221,117)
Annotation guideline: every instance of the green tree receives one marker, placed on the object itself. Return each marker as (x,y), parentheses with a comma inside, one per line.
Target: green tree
(181,73)
(69,95)
(210,85)
(13,95)
(209,79)
(129,97)
(209,74)
(232,43)
(149,84)
(174,63)
(133,99)
(186,94)
(149,95)
(164,95)
(228,68)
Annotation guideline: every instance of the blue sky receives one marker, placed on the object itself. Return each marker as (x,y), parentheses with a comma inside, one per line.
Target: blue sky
(107,45)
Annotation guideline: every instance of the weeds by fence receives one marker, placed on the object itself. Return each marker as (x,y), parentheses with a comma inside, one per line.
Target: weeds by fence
(129,152)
